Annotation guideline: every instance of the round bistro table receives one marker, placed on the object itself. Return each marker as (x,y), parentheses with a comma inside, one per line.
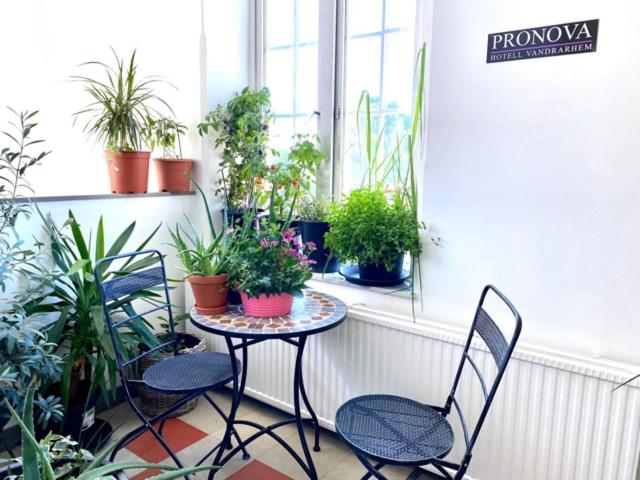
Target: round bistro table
(312,314)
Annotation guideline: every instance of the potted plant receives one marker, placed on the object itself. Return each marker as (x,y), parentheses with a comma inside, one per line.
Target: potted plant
(59,458)
(173,171)
(89,363)
(204,262)
(313,225)
(243,133)
(375,229)
(269,268)
(121,106)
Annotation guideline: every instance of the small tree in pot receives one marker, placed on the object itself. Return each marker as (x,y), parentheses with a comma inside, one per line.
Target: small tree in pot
(173,171)
(118,116)
(243,133)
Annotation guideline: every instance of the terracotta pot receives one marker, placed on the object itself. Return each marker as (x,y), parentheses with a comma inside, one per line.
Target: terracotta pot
(267,305)
(128,171)
(210,293)
(173,174)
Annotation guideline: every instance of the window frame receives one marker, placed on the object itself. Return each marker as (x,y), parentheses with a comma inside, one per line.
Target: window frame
(332,54)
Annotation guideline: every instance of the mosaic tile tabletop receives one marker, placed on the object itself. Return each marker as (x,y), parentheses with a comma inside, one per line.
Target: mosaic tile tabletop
(313,313)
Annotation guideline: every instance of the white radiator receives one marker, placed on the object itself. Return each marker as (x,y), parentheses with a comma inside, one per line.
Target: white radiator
(555,417)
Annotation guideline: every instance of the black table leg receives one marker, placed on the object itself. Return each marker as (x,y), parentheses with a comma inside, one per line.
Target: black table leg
(234,405)
(298,388)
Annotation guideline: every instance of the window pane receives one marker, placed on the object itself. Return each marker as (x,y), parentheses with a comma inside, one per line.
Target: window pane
(280,80)
(279,22)
(400,14)
(280,133)
(397,73)
(307,13)
(363,70)
(364,16)
(291,69)
(380,57)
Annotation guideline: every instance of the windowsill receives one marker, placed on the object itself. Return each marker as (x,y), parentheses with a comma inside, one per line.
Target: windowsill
(402,291)
(101,196)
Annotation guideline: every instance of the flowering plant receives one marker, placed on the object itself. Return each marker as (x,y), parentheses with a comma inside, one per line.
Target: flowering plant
(270,262)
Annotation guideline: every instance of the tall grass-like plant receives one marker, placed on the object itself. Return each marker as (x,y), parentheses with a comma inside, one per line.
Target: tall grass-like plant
(122,104)
(399,167)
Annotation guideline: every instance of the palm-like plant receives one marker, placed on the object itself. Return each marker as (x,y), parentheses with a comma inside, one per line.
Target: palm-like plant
(122,105)
(75,296)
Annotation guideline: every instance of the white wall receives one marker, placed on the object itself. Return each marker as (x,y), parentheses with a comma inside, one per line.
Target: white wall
(532,175)
(42,44)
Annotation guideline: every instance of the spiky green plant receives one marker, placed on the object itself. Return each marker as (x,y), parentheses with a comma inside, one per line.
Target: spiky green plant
(122,106)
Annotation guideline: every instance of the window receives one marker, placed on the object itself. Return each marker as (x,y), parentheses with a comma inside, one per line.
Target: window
(317,56)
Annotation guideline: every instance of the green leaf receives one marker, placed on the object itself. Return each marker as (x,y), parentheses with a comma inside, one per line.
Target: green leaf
(78,265)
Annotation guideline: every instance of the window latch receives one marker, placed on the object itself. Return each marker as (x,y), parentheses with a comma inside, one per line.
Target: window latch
(336,113)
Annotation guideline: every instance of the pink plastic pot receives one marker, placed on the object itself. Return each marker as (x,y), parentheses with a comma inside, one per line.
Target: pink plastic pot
(267,305)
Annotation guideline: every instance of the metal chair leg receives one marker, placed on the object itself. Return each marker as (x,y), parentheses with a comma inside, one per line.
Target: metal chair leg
(371,469)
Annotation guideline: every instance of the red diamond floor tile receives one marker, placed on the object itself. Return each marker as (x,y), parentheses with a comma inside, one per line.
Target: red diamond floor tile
(258,470)
(178,435)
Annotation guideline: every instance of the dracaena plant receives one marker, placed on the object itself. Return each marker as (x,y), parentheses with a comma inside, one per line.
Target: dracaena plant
(81,328)
(59,458)
(122,104)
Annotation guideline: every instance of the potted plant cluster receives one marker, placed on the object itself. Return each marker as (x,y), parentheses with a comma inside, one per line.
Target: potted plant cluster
(122,106)
(374,229)
(173,171)
(269,268)
(89,363)
(313,223)
(242,129)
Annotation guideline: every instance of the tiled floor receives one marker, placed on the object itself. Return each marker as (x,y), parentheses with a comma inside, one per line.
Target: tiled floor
(194,434)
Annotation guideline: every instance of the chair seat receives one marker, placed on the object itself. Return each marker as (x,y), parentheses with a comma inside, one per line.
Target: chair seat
(394,430)
(190,372)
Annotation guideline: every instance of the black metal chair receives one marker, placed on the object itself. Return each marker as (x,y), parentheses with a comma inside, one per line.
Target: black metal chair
(191,375)
(390,430)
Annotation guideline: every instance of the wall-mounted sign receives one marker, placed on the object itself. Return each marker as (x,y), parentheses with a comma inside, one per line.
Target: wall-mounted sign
(549,41)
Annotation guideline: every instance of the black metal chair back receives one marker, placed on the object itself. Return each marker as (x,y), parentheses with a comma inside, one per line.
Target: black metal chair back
(501,350)
(114,289)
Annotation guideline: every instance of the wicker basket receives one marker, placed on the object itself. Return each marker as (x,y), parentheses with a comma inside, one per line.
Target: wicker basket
(153,402)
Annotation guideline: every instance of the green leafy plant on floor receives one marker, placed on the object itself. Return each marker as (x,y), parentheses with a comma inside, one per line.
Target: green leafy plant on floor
(16,160)
(166,133)
(243,133)
(372,227)
(27,358)
(58,458)
(122,104)
(81,328)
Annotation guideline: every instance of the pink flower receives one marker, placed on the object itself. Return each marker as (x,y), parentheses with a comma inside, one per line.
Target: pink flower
(275,243)
(312,246)
(264,243)
(288,235)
